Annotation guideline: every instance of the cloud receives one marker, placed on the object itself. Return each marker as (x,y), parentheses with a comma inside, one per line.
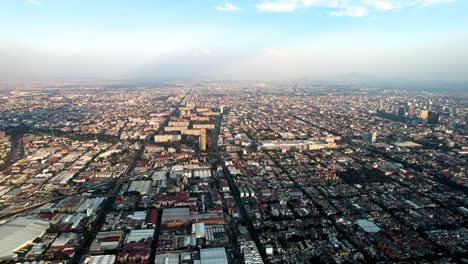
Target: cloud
(330,3)
(277,6)
(355,11)
(431,2)
(380,5)
(227,7)
(33,2)
(355,8)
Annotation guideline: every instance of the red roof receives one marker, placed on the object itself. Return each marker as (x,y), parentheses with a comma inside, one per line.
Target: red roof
(152,217)
(162,156)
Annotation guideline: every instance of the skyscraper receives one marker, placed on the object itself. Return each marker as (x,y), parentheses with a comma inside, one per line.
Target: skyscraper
(202,139)
(401,111)
(410,110)
(369,137)
(433,118)
(423,114)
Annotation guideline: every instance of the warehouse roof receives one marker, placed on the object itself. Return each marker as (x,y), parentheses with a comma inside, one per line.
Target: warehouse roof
(213,256)
(19,232)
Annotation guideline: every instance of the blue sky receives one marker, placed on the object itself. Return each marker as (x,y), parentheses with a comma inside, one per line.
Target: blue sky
(248,39)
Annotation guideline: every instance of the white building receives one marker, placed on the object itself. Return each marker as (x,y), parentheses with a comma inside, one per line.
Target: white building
(139,235)
(213,256)
(18,233)
(250,253)
(198,230)
(104,259)
(141,187)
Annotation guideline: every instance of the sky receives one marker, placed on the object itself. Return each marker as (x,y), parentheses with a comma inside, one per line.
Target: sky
(420,40)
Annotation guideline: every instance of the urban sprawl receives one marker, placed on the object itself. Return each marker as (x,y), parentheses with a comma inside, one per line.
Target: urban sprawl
(232,172)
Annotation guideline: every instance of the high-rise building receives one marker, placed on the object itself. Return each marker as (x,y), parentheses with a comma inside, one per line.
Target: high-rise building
(202,139)
(423,114)
(433,118)
(369,137)
(410,110)
(402,111)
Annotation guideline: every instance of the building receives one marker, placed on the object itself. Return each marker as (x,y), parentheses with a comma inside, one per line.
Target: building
(167,258)
(402,111)
(141,187)
(250,253)
(106,241)
(433,118)
(139,235)
(191,132)
(152,218)
(213,256)
(202,139)
(203,126)
(180,215)
(167,138)
(90,205)
(198,230)
(179,123)
(137,246)
(294,144)
(410,110)
(369,137)
(367,226)
(423,114)
(103,259)
(215,235)
(199,118)
(64,245)
(18,233)
(287,135)
(174,129)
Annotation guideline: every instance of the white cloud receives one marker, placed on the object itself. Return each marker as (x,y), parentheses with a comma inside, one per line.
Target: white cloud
(430,2)
(330,3)
(355,11)
(227,7)
(277,6)
(356,8)
(33,2)
(381,5)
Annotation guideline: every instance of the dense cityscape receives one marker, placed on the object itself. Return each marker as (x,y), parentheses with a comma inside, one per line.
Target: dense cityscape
(232,172)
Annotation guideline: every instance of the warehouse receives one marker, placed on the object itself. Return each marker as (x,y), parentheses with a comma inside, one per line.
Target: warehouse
(213,256)
(18,233)
(142,187)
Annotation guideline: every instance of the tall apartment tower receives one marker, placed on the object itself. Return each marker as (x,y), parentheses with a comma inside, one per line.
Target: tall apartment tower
(423,114)
(410,110)
(202,139)
(370,137)
(433,118)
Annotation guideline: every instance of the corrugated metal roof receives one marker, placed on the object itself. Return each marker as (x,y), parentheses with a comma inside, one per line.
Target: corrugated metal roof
(168,258)
(213,256)
(104,259)
(368,226)
(19,232)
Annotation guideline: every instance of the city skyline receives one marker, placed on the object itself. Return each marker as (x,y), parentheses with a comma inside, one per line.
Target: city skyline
(420,40)
(232,173)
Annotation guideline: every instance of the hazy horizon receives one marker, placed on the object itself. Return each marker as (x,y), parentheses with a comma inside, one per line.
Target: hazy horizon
(417,40)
